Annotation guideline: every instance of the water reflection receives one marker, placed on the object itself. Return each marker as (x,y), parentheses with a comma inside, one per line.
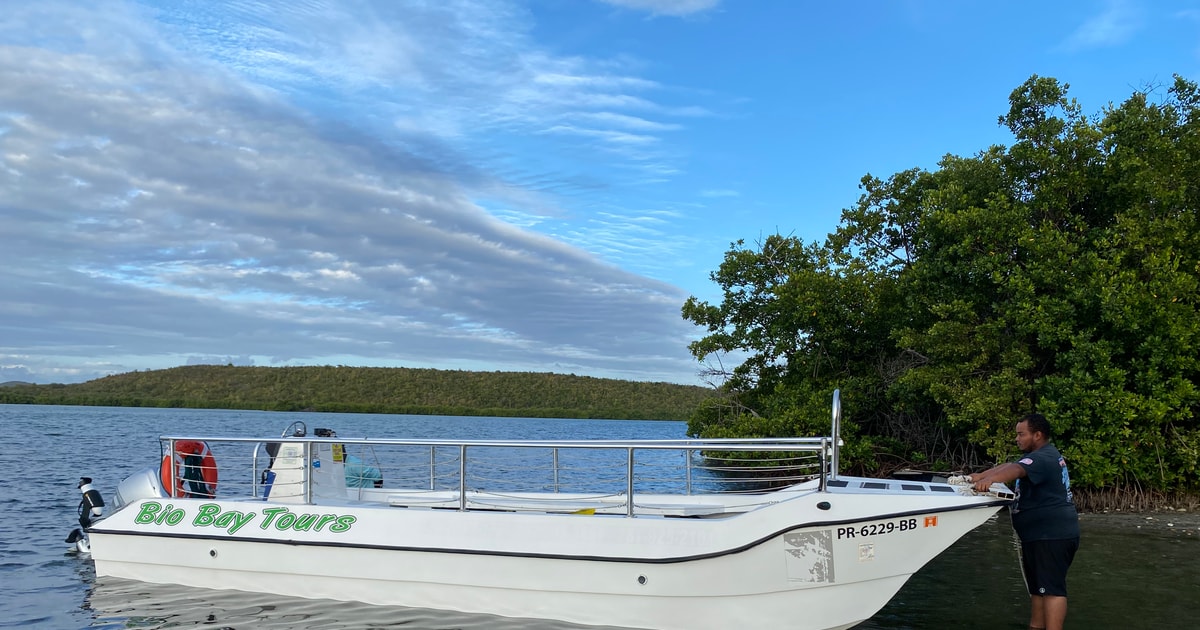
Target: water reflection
(118,603)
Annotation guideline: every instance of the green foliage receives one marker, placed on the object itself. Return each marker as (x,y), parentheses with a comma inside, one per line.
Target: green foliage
(375,390)
(1060,274)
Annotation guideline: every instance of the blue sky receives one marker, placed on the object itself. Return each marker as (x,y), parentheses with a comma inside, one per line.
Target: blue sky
(476,184)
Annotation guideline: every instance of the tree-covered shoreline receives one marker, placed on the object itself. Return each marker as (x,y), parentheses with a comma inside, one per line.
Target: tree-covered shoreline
(375,390)
(1060,274)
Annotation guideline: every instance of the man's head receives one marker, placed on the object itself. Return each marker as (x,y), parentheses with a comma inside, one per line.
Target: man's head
(1033,432)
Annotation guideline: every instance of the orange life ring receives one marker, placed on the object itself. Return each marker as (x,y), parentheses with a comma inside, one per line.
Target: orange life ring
(193,468)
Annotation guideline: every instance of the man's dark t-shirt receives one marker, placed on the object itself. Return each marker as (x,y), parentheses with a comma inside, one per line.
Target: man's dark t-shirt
(1044,509)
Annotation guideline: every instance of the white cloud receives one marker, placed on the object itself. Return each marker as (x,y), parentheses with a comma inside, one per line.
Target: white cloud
(608,135)
(666,7)
(627,121)
(1114,26)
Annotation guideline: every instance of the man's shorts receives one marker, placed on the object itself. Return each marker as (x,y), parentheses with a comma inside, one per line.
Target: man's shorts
(1044,564)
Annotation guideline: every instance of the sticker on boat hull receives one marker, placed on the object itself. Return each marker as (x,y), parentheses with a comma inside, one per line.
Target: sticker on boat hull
(810,556)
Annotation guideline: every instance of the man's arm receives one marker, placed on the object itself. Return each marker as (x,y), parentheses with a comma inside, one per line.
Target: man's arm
(1003,473)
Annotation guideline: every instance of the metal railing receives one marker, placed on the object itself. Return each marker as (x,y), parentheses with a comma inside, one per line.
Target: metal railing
(595,468)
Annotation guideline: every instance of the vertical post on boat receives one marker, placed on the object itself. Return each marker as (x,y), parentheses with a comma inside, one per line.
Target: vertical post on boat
(169,460)
(837,433)
(462,477)
(254,472)
(823,456)
(554,456)
(308,462)
(687,455)
(432,468)
(629,481)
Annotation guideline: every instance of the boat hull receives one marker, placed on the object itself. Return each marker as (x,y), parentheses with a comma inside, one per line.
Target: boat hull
(805,561)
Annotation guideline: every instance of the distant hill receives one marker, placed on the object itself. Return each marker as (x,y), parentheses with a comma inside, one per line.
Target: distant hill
(14,383)
(375,390)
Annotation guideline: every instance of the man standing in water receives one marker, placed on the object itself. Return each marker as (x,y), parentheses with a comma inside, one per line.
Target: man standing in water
(1045,519)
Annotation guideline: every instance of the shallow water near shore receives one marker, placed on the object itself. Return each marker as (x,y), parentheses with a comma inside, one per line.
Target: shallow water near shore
(1123,577)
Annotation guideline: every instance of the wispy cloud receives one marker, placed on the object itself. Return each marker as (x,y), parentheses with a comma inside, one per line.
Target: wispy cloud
(608,135)
(1115,25)
(666,7)
(626,121)
(292,183)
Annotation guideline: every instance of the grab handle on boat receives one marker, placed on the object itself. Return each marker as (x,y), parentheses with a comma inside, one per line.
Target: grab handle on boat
(836,433)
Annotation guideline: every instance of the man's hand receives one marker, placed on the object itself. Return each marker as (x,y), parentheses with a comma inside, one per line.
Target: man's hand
(981,485)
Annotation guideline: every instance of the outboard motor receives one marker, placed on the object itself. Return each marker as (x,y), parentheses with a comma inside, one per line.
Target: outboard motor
(91,507)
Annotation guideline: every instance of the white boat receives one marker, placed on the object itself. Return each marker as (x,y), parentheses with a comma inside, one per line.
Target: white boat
(668,534)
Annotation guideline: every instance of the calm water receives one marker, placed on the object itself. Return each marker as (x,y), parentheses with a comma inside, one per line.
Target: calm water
(1122,578)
